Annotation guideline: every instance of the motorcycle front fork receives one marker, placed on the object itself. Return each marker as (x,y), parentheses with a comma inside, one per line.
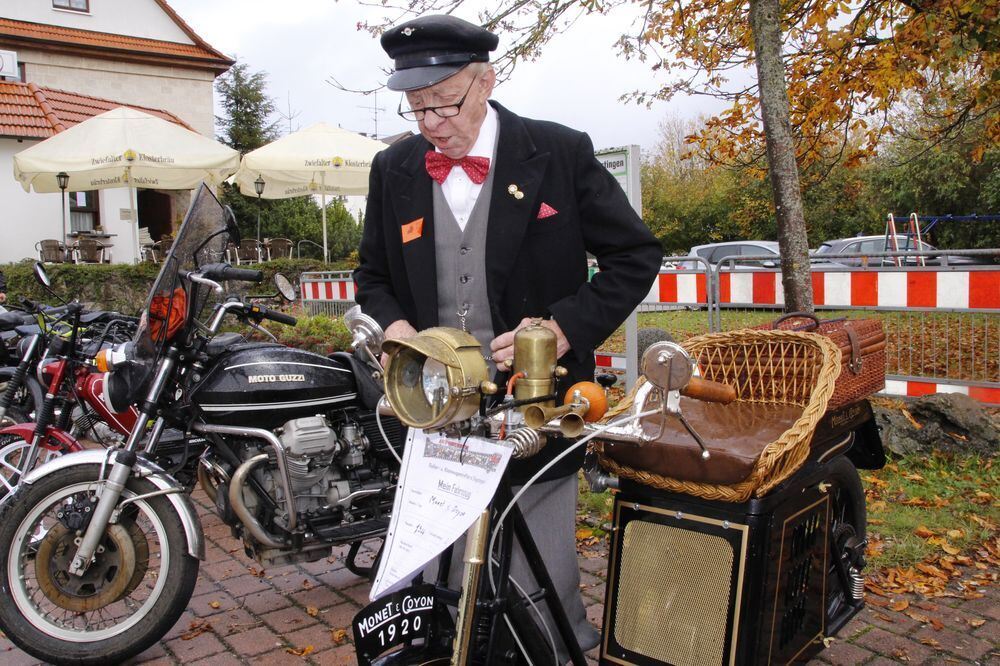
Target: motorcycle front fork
(110,491)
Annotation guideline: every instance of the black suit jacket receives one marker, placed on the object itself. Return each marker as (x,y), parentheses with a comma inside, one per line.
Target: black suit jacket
(534,267)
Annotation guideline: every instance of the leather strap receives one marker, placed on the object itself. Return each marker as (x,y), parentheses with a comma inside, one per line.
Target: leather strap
(856,362)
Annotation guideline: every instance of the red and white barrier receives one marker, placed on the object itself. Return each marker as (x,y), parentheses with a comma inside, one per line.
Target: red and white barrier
(679,287)
(328,289)
(916,388)
(944,289)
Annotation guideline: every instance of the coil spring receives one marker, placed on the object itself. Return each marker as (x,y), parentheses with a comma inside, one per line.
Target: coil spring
(526,442)
(857,585)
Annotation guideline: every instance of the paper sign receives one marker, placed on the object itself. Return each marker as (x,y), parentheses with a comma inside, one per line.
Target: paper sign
(444,485)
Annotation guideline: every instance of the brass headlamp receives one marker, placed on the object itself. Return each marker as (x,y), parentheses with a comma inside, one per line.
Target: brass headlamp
(435,378)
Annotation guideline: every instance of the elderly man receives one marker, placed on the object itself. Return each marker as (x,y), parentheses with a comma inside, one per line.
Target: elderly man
(484,222)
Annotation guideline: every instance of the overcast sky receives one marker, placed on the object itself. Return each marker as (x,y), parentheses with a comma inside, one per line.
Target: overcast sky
(302,43)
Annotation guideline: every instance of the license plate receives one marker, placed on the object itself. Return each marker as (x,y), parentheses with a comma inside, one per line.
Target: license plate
(393,620)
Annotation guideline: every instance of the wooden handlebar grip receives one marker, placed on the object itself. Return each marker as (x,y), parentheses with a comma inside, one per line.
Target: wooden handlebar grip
(709,391)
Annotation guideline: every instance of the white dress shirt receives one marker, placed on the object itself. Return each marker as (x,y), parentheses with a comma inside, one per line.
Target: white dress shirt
(458,189)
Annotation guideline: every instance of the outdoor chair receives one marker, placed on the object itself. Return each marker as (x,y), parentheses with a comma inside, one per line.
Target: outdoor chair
(278,248)
(248,252)
(161,248)
(146,243)
(91,251)
(51,251)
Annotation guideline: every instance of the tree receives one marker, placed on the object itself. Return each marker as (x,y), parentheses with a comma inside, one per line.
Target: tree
(783,171)
(247,109)
(246,124)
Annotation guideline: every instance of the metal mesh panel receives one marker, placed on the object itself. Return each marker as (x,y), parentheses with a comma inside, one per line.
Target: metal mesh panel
(673,594)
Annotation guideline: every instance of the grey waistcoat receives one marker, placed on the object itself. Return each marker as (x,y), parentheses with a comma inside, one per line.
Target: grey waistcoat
(461,265)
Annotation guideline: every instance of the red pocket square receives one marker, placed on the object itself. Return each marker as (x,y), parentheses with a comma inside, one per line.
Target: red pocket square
(546,211)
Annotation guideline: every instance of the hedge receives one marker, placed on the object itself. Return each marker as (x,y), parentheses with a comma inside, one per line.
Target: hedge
(123,287)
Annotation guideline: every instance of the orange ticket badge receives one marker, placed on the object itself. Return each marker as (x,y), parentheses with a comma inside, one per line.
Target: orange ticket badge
(413,230)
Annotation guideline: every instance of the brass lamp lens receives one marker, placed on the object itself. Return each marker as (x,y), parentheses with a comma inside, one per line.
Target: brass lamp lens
(433,379)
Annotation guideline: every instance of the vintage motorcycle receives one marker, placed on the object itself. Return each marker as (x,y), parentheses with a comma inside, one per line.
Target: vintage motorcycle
(767,576)
(58,372)
(101,548)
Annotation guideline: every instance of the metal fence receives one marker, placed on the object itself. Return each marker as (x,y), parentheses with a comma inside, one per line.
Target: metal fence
(942,322)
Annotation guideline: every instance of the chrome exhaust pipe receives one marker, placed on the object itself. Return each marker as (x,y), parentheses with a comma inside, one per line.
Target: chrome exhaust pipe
(240,508)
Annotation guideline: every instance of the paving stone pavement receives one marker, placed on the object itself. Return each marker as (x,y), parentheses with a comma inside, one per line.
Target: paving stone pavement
(263,619)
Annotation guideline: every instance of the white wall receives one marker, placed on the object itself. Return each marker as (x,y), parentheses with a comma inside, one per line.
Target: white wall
(26,217)
(140,18)
(187,93)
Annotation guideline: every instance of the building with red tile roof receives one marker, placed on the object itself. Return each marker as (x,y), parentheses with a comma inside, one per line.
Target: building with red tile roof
(28,111)
(77,59)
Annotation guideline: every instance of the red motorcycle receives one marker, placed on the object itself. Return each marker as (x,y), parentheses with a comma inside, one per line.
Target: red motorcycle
(75,382)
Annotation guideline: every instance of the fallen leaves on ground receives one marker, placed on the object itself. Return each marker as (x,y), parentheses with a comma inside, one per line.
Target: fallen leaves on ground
(338,636)
(301,652)
(312,611)
(195,629)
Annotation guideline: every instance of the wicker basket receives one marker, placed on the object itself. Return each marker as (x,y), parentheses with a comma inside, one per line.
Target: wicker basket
(764,367)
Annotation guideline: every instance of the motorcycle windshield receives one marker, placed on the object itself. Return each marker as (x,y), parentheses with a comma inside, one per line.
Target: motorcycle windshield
(174,304)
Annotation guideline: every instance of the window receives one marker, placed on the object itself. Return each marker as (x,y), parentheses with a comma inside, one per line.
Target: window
(20,74)
(84,211)
(75,5)
(875,245)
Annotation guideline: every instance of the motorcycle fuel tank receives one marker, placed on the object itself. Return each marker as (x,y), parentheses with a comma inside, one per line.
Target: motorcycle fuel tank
(266,385)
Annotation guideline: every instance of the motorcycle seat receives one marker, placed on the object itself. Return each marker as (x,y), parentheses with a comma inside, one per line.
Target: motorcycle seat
(11,320)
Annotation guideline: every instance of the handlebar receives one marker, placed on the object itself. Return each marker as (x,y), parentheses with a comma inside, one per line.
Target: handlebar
(225,272)
(709,391)
(273,315)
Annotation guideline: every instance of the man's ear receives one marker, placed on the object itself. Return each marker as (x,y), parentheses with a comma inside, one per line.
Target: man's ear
(488,79)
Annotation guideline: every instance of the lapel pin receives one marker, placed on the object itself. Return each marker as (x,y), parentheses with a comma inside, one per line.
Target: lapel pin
(514,192)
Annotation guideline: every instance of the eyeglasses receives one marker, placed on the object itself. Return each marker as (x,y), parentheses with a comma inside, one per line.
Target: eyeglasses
(445,111)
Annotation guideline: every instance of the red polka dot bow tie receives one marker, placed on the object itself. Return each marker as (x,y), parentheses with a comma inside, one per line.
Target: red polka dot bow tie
(440,165)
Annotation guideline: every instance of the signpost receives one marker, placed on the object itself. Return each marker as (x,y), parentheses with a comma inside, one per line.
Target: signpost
(623,164)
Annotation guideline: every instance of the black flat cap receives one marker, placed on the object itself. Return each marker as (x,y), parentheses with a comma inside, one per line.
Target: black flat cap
(429,49)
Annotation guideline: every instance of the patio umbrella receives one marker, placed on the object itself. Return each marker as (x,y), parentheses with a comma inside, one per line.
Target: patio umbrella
(125,148)
(320,159)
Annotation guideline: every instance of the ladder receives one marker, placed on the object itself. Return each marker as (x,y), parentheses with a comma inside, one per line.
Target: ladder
(914,241)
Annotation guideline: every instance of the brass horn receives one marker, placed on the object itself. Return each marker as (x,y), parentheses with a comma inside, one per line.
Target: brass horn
(570,416)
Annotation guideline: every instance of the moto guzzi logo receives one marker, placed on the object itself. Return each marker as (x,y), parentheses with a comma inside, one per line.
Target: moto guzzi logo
(270,379)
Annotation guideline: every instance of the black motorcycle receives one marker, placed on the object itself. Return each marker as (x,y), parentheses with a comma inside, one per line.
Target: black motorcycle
(101,548)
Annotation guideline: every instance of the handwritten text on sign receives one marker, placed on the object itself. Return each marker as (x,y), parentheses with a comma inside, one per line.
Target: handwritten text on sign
(444,484)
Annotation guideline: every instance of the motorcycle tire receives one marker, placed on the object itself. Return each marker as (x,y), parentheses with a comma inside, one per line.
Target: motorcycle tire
(12,448)
(848,527)
(31,546)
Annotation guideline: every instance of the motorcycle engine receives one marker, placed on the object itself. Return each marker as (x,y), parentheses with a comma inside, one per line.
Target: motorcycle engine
(318,457)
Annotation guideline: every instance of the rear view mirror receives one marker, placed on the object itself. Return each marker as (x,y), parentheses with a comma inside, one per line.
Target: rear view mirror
(41,275)
(285,287)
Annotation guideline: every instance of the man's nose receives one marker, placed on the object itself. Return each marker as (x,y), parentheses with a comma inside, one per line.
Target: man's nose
(432,120)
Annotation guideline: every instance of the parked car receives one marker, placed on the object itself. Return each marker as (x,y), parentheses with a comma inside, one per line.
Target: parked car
(875,244)
(715,252)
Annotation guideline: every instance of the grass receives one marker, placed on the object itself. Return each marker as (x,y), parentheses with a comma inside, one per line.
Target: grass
(921,507)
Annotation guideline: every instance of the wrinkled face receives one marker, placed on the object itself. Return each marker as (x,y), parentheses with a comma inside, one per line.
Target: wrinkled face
(454,136)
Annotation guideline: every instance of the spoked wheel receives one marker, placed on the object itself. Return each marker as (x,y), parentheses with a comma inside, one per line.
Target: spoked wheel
(133,592)
(845,583)
(12,452)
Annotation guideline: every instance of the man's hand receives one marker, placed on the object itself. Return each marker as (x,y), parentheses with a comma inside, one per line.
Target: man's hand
(502,346)
(398,330)
(3,297)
